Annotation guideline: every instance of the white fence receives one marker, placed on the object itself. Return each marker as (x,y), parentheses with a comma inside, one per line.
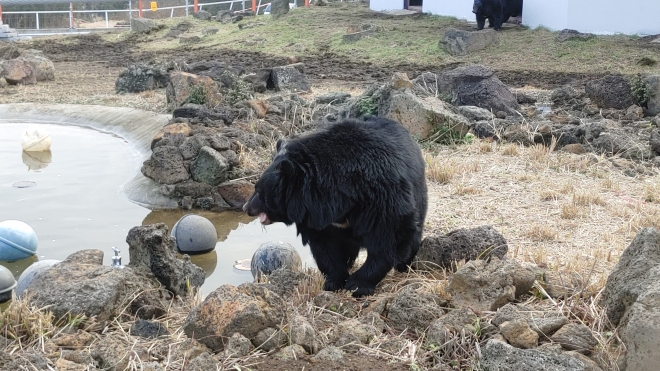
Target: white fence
(134,12)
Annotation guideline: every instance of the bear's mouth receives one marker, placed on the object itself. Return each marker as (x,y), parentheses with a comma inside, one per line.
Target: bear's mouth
(263,218)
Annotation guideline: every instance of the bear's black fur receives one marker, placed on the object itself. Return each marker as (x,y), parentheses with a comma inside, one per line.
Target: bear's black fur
(496,11)
(353,184)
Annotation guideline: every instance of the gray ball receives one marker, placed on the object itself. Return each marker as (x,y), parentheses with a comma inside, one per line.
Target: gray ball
(273,255)
(7,283)
(31,273)
(194,234)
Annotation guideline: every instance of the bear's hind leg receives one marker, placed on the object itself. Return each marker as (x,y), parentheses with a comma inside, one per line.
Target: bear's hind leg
(334,251)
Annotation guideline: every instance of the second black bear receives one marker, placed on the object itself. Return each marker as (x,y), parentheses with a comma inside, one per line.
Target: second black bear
(496,11)
(353,184)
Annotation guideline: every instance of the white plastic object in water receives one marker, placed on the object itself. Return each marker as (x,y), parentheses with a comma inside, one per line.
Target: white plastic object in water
(35,140)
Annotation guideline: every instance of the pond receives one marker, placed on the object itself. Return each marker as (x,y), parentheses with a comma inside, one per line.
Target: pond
(73,198)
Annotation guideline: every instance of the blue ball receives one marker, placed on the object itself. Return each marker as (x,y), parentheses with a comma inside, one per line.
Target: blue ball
(7,283)
(194,234)
(271,256)
(17,240)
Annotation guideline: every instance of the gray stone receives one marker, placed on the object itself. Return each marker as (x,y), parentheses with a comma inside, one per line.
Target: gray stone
(246,309)
(18,71)
(9,51)
(302,333)
(330,353)
(189,39)
(457,320)
(143,25)
(518,333)
(203,362)
(355,36)
(641,333)
(148,329)
(236,193)
(238,346)
(210,167)
(202,15)
(165,166)
(332,98)
(499,356)
(474,113)
(363,332)
(141,77)
(290,352)
(43,68)
(289,78)
(191,145)
(415,309)
(481,242)
(623,145)
(654,141)
(543,323)
(114,354)
(3,82)
(460,42)
(224,16)
(187,188)
(487,286)
(567,34)
(269,339)
(210,31)
(152,249)
(80,285)
(652,83)
(575,337)
(198,111)
(637,272)
(279,8)
(610,92)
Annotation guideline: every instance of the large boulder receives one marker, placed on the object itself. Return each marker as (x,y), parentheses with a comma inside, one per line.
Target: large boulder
(414,308)
(202,15)
(497,355)
(291,78)
(642,332)
(487,286)
(461,42)
(143,25)
(152,249)
(18,71)
(236,193)
(141,77)
(165,166)
(462,244)
(472,85)
(610,92)
(247,310)
(81,285)
(637,272)
(43,68)
(209,167)
(188,88)
(652,83)
(279,7)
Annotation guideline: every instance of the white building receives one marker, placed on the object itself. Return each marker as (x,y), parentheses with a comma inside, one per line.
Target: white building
(640,17)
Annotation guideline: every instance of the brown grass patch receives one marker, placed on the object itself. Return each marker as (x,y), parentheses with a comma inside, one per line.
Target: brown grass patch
(588,198)
(541,232)
(510,150)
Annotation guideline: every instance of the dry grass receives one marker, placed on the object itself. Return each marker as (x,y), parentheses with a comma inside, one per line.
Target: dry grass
(541,232)
(510,150)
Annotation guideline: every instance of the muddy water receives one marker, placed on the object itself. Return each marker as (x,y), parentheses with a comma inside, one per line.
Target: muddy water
(72,197)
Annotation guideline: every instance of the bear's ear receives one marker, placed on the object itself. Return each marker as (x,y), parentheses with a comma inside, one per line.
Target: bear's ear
(286,168)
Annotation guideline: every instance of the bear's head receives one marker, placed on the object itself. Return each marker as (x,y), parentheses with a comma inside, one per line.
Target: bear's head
(477,7)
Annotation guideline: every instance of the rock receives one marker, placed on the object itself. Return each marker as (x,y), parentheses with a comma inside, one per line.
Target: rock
(462,244)
(246,309)
(472,85)
(259,106)
(641,332)
(574,148)
(259,80)
(269,339)
(363,332)
(400,81)
(80,285)
(3,82)
(188,88)
(357,35)
(568,97)
(189,39)
(290,352)
(544,324)
(183,26)
(224,17)
(279,8)
(181,130)
(63,365)
(422,116)
(332,98)
(202,15)
(18,71)
(474,113)
(143,25)
(654,141)
(210,167)
(460,42)
(302,333)
(192,145)
(415,309)
(165,166)
(289,78)
(519,334)
(487,286)
(245,26)
(77,340)
(42,67)
(336,303)
(457,320)
(238,346)
(203,362)
(575,337)
(566,34)
(148,329)
(9,50)
(500,356)
(652,83)
(610,92)
(330,353)
(141,77)
(191,110)
(113,354)
(621,144)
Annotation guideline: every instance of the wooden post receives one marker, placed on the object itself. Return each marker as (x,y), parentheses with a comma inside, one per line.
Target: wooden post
(0,14)
(254,6)
(140,8)
(196,6)
(306,2)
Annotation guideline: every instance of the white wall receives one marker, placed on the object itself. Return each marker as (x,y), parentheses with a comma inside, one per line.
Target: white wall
(379,5)
(595,16)
(461,9)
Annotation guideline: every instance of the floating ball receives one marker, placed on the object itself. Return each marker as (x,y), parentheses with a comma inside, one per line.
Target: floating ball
(17,240)
(194,234)
(32,272)
(35,140)
(273,255)
(7,283)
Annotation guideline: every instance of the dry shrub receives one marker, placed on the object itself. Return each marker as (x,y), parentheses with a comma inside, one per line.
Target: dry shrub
(26,324)
(463,190)
(541,232)
(549,195)
(652,193)
(570,211)
(587,198)
(440,171)
(485,147)
(510,150)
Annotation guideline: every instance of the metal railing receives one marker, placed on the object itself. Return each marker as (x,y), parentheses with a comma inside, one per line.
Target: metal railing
(106,13)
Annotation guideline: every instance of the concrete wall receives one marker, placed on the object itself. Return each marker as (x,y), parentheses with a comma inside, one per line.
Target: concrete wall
(461,9)
(379,5)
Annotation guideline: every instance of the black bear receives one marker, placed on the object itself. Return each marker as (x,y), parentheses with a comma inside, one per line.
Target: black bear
(355,184)
(496,11)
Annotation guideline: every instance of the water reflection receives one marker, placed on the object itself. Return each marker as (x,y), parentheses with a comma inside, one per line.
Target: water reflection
(207,262)
(17,267)
(224,222)
(37,161)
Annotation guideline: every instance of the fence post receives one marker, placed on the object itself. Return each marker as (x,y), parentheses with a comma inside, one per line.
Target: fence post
(140,8)
(130,13)
(306,2)
(195,6)
(71,16)
(107,23)
(37,19)
(254,6)
(0,14)
(243,2)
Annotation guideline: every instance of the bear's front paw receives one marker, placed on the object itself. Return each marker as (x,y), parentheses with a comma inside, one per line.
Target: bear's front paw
(402,267)
(360,288)
(333,285)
